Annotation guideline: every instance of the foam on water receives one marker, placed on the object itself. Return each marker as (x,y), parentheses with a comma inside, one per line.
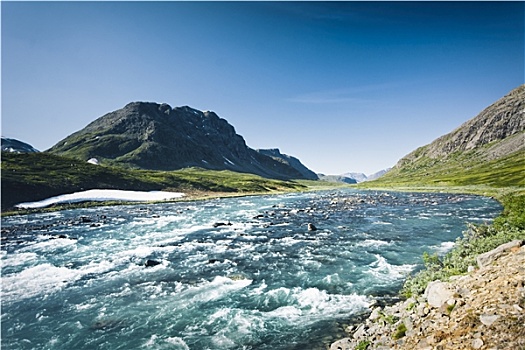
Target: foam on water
(36,281)
(372,243)
(383,270)
(444,247)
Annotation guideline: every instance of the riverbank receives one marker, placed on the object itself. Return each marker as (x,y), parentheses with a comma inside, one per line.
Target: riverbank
(484,309)
(189,195)
(416,324)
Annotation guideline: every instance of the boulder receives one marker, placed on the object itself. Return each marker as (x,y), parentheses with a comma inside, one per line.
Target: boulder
(311,227)
(151,263)
(437,293)
(488,258)
(217,224)
(343,344)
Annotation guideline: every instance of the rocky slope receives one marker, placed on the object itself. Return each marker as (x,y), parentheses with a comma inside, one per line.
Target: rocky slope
(484,309)
(496,132)
(487,150)
(16,146)
(295,163)
(157,137)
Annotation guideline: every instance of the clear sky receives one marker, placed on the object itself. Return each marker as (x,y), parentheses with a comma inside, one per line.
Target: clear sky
(343,86)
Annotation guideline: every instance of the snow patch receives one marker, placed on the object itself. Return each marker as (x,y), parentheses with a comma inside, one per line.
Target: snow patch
(229,161)
(103,195)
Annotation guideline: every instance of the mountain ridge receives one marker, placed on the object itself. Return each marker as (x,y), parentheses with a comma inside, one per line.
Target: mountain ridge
(16,146)
(488,149)
(501,120)
(155,136)
(276,154)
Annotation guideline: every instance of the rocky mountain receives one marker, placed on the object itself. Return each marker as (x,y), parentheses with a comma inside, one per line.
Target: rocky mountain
(355,177)
(358,177)
(158,137)
(336,178)
(16,146)
(487,149)
(497,131)
(295,163)
(377,175)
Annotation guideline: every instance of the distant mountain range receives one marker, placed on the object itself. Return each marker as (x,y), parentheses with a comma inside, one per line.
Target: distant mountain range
(352,178)
(488,149)
(155,136)
(16,146)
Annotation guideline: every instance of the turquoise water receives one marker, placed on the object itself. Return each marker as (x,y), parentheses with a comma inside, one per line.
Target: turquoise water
(77,279)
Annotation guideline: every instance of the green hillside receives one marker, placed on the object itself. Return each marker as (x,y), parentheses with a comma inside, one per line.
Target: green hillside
(459,169)
(36,176)
(487,150)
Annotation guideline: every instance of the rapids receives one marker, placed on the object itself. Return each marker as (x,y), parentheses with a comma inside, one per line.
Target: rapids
(234,273)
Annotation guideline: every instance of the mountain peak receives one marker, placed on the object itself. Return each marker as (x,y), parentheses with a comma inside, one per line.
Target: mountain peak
(155,136)
(16,146)
(499,122)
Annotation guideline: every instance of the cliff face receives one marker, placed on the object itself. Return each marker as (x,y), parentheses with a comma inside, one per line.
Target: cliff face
(157,137)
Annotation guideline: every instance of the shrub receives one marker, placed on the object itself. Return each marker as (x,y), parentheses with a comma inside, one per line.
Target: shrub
(477,239)
(363,345)
(400,331)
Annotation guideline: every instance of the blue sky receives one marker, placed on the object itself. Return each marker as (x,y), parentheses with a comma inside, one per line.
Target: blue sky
(343,86)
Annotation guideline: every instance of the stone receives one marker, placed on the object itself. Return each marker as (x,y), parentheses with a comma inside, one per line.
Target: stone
(375,315)
(488,320)
(488,258)
(423,345)
(437,293)
(422,310)
(477,343)
(343,344)
(360,332)
(217,224)
(151,263)
(311,227)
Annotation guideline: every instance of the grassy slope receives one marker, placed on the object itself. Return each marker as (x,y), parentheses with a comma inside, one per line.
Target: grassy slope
(458,170)
(504,179)
(35,176)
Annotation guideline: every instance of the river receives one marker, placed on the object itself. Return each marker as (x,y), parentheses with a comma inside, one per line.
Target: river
(232,273)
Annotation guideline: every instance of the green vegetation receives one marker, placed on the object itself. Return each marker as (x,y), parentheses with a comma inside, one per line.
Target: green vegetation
(458,169)
(363,345)
(390,319)
(35,176)
(400,331)
(477,239)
